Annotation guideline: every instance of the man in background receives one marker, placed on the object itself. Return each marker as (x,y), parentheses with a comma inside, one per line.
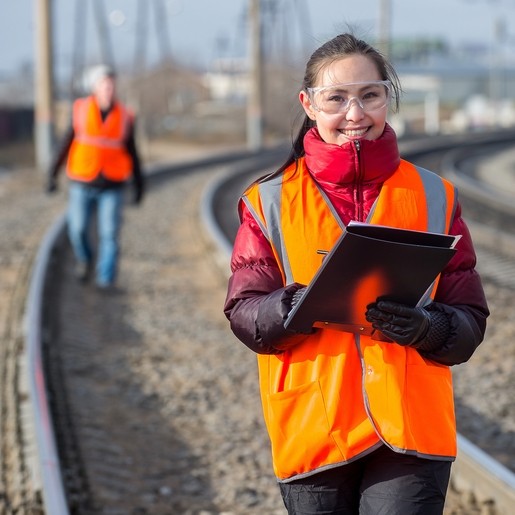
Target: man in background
(102,158)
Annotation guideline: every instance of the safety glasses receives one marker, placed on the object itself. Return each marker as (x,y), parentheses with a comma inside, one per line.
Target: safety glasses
(338,98)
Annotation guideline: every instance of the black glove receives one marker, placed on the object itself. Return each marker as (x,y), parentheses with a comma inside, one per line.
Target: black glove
(272,312)
(400,323)
(51,185)
(297,296)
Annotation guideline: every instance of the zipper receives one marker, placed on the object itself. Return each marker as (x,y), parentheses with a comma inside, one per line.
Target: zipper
(359,183)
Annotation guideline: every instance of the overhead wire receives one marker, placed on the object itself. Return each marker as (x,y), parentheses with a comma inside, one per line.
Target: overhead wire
(106,48)
(79,47)
(304,24)
(140,48)
(162,30)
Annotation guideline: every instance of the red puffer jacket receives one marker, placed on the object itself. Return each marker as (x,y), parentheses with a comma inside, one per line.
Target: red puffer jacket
(256,297)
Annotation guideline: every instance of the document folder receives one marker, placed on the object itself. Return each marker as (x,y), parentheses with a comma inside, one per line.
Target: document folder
(366,263)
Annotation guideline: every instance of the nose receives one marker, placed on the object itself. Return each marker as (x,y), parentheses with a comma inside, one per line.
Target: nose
(354,109)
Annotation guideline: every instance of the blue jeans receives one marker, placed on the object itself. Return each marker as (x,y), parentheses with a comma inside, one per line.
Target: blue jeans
(83,199)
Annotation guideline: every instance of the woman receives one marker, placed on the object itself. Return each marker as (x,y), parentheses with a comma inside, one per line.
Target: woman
(357,425)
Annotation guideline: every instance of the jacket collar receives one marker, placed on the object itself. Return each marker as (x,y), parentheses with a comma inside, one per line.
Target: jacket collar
(340,164)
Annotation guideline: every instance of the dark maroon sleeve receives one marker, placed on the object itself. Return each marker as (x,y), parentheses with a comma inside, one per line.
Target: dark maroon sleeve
(258,301)
(461,296)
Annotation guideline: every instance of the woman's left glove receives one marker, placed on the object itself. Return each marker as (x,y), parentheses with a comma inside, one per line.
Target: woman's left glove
(273,311)
(402,324)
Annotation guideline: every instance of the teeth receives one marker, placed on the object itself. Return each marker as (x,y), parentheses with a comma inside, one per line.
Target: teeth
(354,133)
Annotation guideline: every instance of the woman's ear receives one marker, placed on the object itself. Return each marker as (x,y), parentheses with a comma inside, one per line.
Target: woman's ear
(306,104)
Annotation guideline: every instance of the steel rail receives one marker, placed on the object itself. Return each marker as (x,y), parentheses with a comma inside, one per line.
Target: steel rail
(47,470)
(45,463)
(490,481)
(483,197)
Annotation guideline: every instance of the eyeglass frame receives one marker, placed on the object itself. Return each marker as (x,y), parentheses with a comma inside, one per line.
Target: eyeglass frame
(386,83)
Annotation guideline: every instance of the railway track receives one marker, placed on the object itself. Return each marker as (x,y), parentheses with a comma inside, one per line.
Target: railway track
(62,471)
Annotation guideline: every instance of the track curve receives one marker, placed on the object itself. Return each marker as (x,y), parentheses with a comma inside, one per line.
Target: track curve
(261,497)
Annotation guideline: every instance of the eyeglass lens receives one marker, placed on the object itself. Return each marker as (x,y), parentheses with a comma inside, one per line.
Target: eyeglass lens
(337,99)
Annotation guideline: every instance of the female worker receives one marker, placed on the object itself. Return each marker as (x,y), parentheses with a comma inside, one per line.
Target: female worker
(357,425)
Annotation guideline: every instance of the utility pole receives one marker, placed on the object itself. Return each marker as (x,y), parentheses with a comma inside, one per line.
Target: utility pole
(385,16)
(43,95)
(255,98)
(103,33)
(79,49)
(496,72)
(140,50)
(162,31)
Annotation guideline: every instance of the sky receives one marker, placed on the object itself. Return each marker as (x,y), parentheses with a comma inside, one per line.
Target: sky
(201,30)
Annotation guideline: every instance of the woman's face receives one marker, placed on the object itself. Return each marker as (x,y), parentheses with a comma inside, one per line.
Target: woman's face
(355,123)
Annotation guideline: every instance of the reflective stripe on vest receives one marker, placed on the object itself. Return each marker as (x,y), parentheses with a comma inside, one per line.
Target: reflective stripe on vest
(99,145)
(336,396)
(81,133)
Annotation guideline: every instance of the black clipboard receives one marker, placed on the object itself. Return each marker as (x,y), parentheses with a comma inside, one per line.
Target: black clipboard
(366,263)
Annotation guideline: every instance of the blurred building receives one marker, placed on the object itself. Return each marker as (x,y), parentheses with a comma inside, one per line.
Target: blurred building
(449,90)
(16,108)
(444,90)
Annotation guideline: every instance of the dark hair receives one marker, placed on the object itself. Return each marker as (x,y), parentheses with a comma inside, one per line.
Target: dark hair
(341,46)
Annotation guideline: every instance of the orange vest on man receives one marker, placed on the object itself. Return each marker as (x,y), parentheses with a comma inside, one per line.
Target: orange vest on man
(336,396)
(99,146)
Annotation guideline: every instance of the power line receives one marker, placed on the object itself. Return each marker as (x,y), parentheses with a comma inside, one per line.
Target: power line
(106,48)
(79,46)
(304,22)
(140,50)
(162,30)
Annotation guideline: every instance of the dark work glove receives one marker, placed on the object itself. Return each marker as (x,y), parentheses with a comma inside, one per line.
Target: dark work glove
(400,323)
(272,312)
(297,296)
(51,185)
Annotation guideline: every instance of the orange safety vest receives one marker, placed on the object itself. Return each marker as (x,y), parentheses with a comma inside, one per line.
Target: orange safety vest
(336,396)
(99,146)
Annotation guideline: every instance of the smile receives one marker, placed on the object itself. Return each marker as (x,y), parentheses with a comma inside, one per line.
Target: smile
(355,133)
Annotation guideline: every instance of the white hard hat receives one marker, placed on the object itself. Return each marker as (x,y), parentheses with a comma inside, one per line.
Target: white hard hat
(99,72)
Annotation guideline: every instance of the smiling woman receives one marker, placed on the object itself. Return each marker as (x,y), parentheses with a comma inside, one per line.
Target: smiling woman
(357,423)
(348,98)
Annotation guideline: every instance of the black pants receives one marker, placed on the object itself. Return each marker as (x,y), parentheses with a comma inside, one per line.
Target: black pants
(381,483)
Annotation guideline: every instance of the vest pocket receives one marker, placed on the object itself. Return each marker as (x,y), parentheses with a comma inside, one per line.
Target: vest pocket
(299,430)
(431,409)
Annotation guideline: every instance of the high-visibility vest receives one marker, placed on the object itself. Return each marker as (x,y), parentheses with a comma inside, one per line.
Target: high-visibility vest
(336,396)
(99,146)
